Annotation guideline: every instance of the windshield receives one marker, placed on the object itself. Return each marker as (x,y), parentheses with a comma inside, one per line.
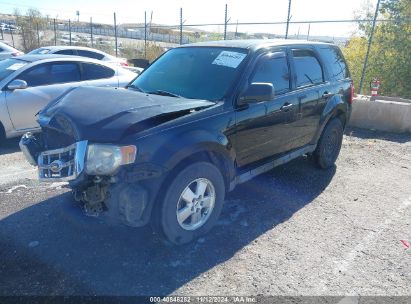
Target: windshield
(193,72)
(40,51)
(8,66)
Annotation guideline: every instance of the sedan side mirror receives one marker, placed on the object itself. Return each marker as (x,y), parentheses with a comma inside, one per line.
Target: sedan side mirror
(17,84)
(257,92)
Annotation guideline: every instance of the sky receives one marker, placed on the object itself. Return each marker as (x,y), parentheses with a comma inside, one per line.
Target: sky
(208,11)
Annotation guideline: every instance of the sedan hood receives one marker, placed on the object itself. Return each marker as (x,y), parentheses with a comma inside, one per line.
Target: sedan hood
(108,114)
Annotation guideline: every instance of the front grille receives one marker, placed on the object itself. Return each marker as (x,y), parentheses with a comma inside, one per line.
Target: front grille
(62,164)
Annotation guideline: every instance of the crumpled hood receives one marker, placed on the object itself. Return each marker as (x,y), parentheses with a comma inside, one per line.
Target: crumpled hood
(107,114)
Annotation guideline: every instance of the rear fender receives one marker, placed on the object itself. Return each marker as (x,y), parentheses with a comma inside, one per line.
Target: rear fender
(334,107)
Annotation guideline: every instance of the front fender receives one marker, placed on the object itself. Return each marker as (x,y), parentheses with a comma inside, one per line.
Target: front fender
(5,120)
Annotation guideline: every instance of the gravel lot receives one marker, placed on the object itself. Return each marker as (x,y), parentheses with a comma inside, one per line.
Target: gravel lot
(296,230)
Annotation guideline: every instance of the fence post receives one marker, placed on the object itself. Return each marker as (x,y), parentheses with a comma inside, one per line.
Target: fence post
(12,37)
(288,19)
(225,22)
(369,47)
(55,31)
(181,25)
(38,34)
(70,30)
(91,30)
(115,33)
(145,35)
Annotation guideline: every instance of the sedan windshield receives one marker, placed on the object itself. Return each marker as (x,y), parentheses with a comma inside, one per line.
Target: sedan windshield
(193,72)
(8,66)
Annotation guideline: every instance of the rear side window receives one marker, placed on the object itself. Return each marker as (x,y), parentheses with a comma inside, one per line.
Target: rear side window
(308,68)
(54,73)
(64,72)
(335,62)
(275,71)
(90,54)
(65,52)
(95,71)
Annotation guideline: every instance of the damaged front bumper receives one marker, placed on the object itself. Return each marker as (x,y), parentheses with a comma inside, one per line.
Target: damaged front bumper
(123,197)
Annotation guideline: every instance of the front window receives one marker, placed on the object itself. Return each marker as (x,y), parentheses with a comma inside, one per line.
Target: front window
(193,72)
(8,66)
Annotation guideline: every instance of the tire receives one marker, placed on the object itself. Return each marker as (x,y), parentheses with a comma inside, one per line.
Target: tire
(329,145)
(174,218)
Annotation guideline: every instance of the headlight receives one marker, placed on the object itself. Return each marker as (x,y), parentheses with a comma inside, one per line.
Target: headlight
(106,159)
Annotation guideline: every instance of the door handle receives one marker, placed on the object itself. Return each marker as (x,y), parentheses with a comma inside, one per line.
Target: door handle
(286,107)
(327,95)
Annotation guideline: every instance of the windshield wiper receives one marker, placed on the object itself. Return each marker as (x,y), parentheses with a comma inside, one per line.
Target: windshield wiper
(134,87)
(164,93)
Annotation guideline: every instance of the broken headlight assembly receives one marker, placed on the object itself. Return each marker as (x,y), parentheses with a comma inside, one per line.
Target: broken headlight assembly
(104,159)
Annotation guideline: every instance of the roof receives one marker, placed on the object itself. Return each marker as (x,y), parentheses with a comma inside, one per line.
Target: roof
(52,57)
(253,44)
(71,47)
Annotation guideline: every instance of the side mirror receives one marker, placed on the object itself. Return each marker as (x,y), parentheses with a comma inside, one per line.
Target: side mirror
(17,84)
(257,92)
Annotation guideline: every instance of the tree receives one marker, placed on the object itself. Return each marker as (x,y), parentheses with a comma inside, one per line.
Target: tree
(30,26)
(390,55)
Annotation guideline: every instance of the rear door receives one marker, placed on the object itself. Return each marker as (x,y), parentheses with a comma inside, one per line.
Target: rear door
(45,82)
(311,89)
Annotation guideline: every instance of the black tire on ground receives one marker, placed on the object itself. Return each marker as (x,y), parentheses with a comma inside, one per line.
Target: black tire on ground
(165,220)
(329,145)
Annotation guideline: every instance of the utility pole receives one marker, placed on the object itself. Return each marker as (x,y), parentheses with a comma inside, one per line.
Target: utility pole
(288,19)
(369,47)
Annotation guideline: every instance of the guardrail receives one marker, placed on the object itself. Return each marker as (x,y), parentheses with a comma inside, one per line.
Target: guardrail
(382,115)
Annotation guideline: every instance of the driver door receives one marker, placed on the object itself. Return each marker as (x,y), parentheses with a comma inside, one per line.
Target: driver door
(265,128)
(45,82)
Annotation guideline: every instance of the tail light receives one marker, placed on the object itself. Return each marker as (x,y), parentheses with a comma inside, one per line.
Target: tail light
(352,94)
(123,63)
(17,53)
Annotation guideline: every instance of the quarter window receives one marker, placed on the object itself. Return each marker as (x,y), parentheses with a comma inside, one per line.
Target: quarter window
(335,62)
(95,71)
(308,68)
(275,71)
(90,54)
(65,52)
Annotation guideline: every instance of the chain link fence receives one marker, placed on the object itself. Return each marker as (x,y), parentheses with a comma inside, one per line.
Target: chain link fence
(148,41)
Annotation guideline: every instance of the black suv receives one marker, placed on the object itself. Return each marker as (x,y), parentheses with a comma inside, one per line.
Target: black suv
(200,120)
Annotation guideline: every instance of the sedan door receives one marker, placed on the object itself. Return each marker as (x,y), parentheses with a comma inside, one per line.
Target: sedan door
(45,82)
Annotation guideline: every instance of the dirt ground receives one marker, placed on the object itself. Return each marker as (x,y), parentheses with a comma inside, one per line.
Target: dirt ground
(294,231)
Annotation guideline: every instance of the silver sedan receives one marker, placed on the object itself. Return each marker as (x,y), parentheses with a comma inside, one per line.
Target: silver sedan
(28,83)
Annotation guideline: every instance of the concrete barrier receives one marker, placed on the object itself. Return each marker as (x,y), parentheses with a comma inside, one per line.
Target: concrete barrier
(382,115)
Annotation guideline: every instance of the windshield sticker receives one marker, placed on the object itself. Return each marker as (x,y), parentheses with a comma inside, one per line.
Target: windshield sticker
(16,66)
(229,59)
